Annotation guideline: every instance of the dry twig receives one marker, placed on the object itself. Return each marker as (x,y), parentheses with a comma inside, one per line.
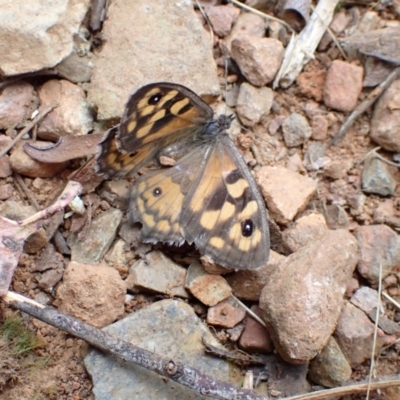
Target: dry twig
(194,379)
(27,129)
(372,97)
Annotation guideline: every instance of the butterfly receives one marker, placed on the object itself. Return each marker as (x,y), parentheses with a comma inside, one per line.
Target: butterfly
(209,197)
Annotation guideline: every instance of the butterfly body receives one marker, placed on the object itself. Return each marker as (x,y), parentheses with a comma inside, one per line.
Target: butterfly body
(209,197)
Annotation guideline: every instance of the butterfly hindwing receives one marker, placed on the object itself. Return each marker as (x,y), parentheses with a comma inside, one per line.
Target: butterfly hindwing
(224,213)
(157,200)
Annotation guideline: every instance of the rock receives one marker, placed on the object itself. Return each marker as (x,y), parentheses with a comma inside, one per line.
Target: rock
(48,259)
(315,157)
(71,117)
(44,42)
(6,191)
(253,103)
(167,328)
(246,24)
(43,298)
(93,293)
(304,231)
(319,127)
(17,102)
(17,212)
(255,338)
(259,59)
(379,245)
(330,367)
(335,217)
(209,289)
(116,193)
(119,254)
(338,169)
(235,332)
(227,314)
(386,119)
(343,85)
(285,192)
(292,383)
(376,71)
(23,164)
(90,245)
(5,166)
(157,274)
(133,238)
(311,84)
(352,286)
(366,299)
(314,277)
(377,179)
(50,278)
(355,335)
(75,68)
(296,130)
(222,18)
(247,284)
(181,46)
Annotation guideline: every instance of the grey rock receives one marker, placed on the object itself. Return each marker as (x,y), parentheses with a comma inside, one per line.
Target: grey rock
(50,278)
(75,68)
(366,299)
(181,46)
(314,158)
(90,245)
(379,248)
(296,130)
(253,103)
(330,367)
(377,179)
(168,328)
(157,274)
(335,216)
(43,41)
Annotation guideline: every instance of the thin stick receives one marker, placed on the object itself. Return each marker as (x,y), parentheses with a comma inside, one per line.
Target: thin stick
(372,97)
(250,312)
(26,191)
(372,366)
(261,14)
(27,129)
(393,301)
(172,369)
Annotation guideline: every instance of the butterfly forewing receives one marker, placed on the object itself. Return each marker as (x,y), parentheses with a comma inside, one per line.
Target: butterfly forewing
(224,213)
(161,113)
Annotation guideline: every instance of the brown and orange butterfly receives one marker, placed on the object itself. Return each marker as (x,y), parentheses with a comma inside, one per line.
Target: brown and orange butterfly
(209,197)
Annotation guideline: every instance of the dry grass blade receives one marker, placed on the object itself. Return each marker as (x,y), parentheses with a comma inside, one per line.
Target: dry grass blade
(27,129)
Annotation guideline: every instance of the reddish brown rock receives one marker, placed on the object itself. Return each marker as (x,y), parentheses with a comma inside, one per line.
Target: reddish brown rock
(226,314)
(385,123)
(17,102)
(286,192)
(71,117)
(222,18)
(355,335)
(6,191)
(92,293)
(258,58)
(255,338)
(304,231)
(302,299)
(27,166)
(248,284)
(343,85)
(311,84)
(319,127)
(209,289)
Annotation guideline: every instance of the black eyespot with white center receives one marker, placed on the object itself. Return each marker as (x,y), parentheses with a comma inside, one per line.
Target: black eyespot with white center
(153,100)
(157,192)
(247,228)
